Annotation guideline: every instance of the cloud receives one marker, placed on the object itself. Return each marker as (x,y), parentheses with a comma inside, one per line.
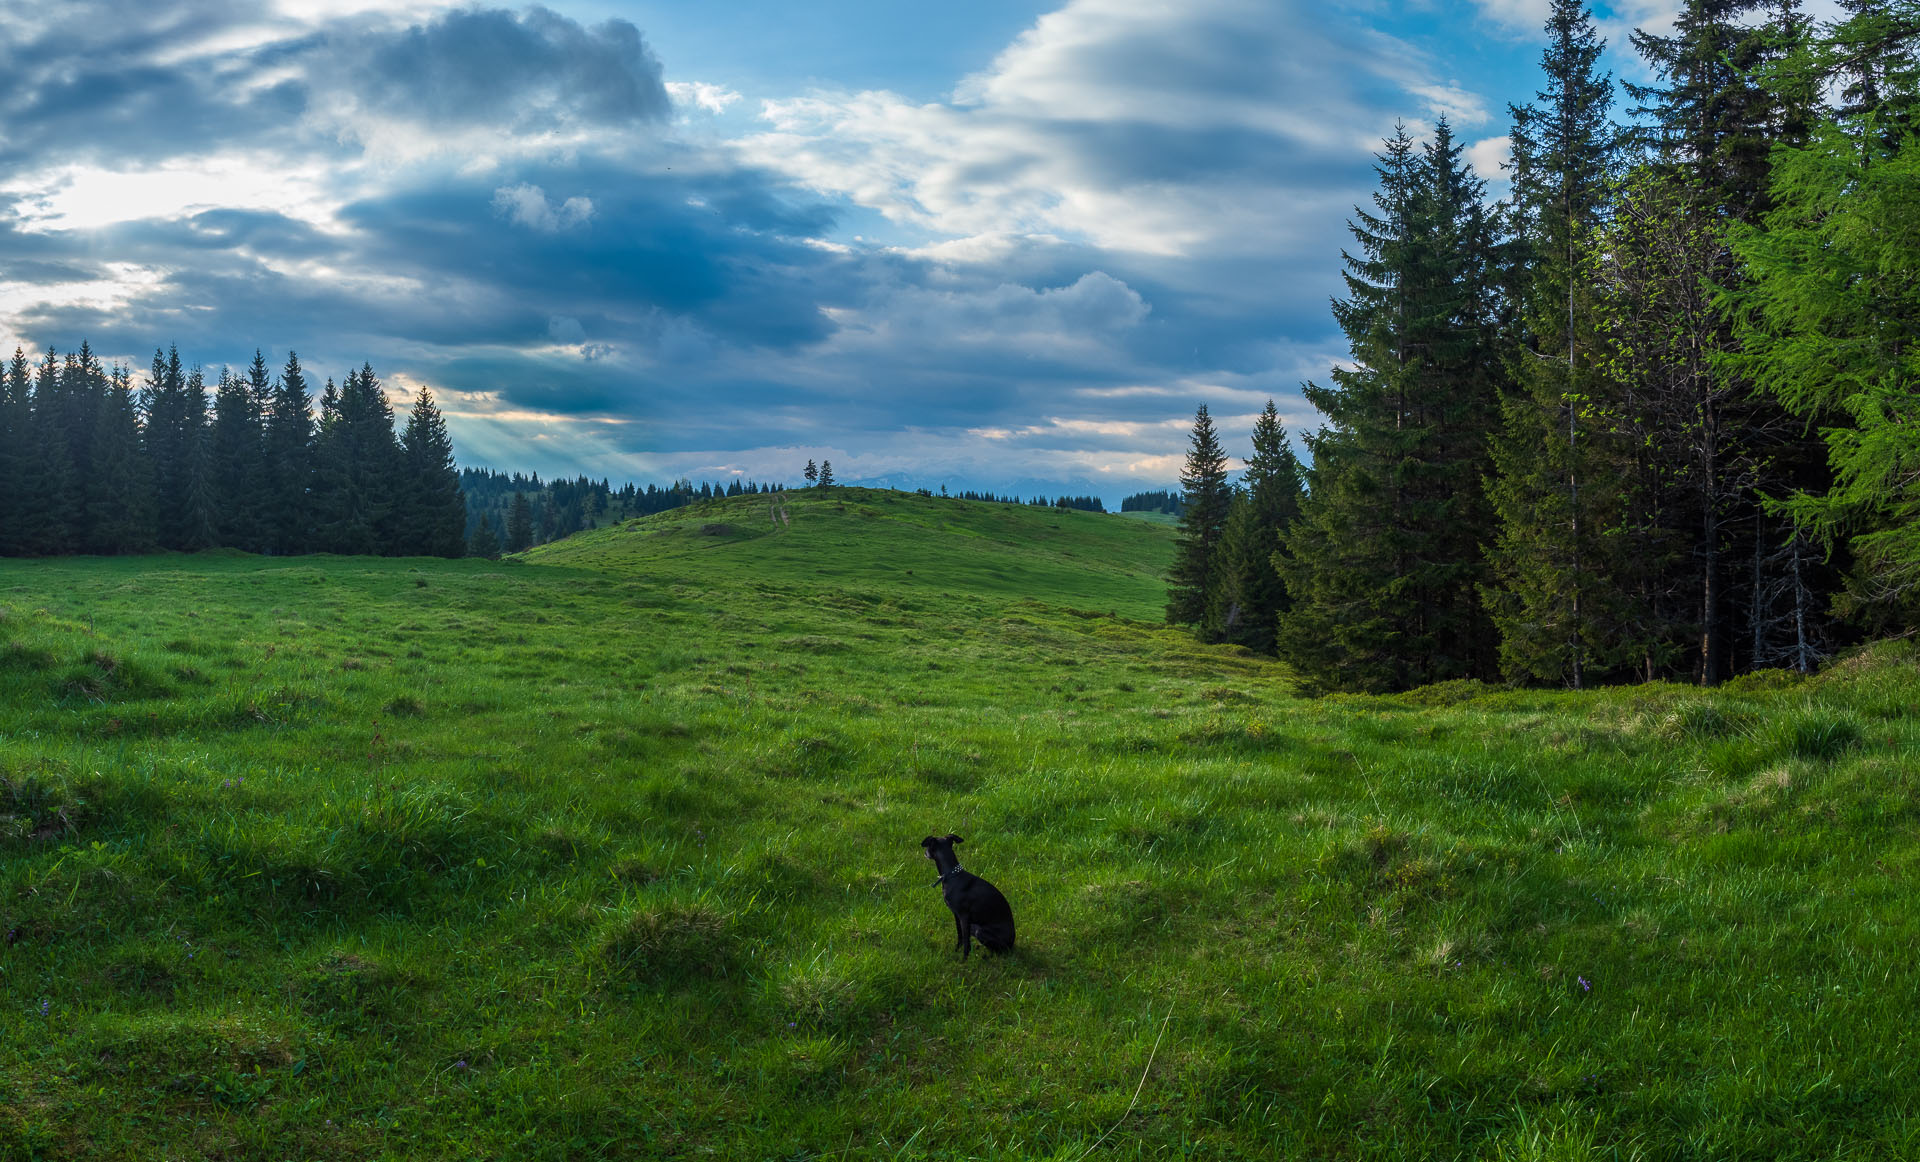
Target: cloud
(495,68)
(1158,129)
(527,206)
(1527,15)
(701,95)
(1026,285)
(122,82)
(1489,157)
(1449,100)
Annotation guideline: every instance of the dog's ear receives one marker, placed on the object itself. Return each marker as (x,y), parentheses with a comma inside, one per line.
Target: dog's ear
(955,839)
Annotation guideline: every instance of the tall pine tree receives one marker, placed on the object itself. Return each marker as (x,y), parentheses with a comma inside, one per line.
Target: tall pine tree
(357,470)
(237,462)
(286,514)
(1558,462)
(1826,315)
(1252,594)
(433,511)
(119,487)
(1193,594)
(200,514)
(1383,565)
(16,452)
(1712,445)
(519,524)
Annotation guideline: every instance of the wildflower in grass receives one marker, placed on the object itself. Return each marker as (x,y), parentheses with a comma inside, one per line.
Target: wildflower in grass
(460,1064)
(44,1006)
(1585,985)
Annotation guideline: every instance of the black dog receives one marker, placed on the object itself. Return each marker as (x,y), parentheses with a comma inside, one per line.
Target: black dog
(979,910)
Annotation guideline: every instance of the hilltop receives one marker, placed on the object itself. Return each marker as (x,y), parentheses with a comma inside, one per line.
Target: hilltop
(613,852)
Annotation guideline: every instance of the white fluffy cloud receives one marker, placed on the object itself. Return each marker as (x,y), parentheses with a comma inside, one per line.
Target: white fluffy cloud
(701,95)
(1489,157)
(527,205)
(1158,129)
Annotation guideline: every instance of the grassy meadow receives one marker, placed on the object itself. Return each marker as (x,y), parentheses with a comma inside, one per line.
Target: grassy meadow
(614,852)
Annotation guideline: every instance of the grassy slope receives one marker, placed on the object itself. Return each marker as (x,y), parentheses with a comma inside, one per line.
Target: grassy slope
(616,853)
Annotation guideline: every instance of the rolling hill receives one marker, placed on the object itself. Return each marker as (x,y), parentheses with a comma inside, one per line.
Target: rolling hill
(613,851)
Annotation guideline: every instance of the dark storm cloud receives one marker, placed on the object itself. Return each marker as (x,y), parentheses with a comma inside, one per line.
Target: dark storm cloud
(258,231)
(124,114)
(103,81)
(28,270)
(711,263)
(490,66)
(651,243)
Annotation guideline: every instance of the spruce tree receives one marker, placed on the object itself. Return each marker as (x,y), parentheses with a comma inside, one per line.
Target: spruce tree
(357,470)
(51,504)
(260,390)
(1383,564)
(812,472)
(433,507)
(167,437)
(486,542)
(546,520)
(1875,55)
(287,514)
(1193,583)
(74,391)
(1707,118)
(1253,595)
(1711,444)
(519,524)
(1555,597)
(200,515)
(1825,319)
(119,489)
(826,474)
(236,462)
(16,434)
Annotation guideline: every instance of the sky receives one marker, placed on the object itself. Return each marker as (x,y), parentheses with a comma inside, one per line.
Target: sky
(1002,244)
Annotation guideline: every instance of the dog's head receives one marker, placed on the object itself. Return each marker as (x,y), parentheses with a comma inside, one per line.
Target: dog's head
(934,843)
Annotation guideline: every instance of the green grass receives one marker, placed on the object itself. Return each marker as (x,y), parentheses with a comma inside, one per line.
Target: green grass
(614,853)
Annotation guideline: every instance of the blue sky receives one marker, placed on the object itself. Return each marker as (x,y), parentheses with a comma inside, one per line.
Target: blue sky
(1000,244)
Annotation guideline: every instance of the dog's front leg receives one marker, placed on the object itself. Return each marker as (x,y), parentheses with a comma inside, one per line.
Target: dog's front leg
(964,938)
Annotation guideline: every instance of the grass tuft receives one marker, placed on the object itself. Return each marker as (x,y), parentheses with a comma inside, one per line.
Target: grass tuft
(673,940)
(1818,734)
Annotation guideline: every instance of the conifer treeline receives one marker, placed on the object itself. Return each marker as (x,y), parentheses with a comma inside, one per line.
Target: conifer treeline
(1653,416)
(552,510)
(92,463)
(1159,500)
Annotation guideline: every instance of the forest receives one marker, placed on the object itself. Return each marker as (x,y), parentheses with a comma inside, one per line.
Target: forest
(1652,415)
(91,464)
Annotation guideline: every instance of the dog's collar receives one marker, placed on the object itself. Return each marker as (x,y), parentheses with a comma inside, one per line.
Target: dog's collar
(940,880)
